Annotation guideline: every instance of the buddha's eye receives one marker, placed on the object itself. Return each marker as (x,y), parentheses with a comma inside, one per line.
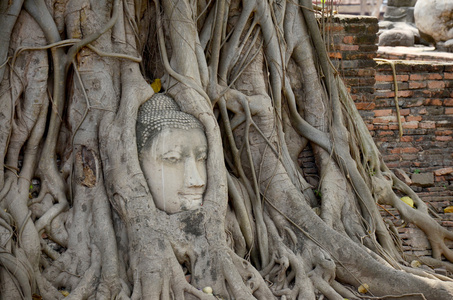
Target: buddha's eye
(172,158)
(202,156)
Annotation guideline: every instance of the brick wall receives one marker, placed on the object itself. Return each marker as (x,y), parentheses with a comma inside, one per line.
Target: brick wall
(425,97)
(424,54)
(352,47)
(425,151)
(425,100)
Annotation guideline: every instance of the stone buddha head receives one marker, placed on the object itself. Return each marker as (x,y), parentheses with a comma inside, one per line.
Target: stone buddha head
(172,150)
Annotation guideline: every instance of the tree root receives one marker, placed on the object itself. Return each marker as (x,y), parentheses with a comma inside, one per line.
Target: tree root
(18,269)
(89,281)
(418,215)
(259,70)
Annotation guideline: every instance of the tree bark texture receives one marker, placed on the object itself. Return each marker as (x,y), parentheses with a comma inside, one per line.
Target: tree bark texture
(77,218)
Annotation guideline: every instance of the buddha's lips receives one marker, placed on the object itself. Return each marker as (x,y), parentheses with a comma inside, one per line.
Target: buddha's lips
(191,195)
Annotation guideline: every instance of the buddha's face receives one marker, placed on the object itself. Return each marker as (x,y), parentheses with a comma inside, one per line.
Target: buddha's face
(175,168)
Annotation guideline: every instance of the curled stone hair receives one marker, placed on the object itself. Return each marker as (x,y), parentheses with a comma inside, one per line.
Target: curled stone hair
(158,113)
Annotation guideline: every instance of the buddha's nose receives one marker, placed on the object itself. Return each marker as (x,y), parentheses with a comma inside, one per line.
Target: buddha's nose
(193,176)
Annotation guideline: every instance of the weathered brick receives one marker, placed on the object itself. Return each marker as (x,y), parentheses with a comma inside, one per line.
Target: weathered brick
(373,29)
(362,89)
(405,94)
(436,102)
(443,132)
(417,84)
(427,67)
(435,110)
(413,102)
(365,38)
(362,81)
(436,84)
(365,105)
(448,75)
(434,76)
(403,68)
(383,133)
(358,55)
(406,138)
(381,127)
(384,120)
(354,29)
(448,102)
(444,138)
(390,77)
(427,124)
(391,157)
(442,93)
(405,112)
(419,110)
(368,48)
(380,77)
(439,178)
(414,77)
(349,64)
(405,150)
(426,93)
(382,112)
(403,85)
(383,67)
(384,86)
(410,125)
(443,171)
(448,84)
(349,39)
(413,118)
(386,94)
(344,47)
(335,28)
(447,223)
(366,72)
(392,165)
(449,110)
(423,179)
(335,55)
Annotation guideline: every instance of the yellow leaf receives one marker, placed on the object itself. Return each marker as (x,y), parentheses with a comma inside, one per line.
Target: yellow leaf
(408,201)
(448,209)
(156,85)
(363,289)
(65,293)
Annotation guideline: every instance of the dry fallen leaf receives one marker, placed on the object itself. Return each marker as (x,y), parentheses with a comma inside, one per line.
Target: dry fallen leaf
(156,85)
(448,209)
(408,201)
(415,264)
(363,289)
